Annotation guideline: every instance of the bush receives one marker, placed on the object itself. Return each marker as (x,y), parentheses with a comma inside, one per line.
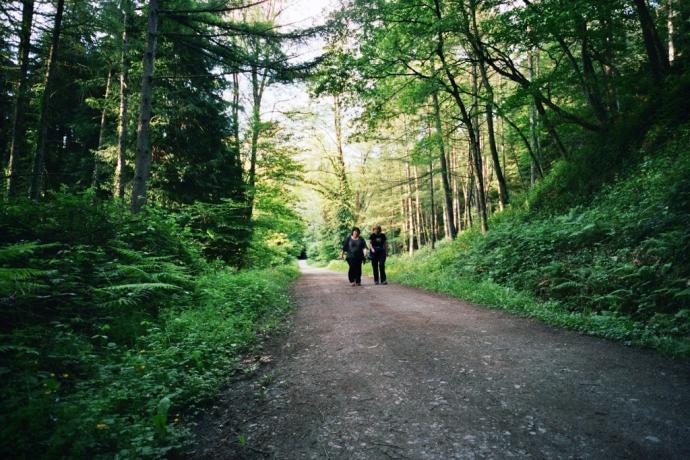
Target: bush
(618,266)
(113,326)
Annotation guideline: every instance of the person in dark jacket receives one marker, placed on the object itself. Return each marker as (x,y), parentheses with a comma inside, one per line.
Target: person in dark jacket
(354,246)
(378,249)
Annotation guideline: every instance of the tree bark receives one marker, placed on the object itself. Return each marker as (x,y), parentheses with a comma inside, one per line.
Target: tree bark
(658,62)
(432,224)
(418,211)
(447,198)
(469,189)
(500,178)
(409,209)
(340,157)
(236,117)
(19,155)
(669,25)
(258,81)
(124,106)
(39,159)
(591,82)
(533,128)
(466,118)
(101,130)
(142,163)
(455,188)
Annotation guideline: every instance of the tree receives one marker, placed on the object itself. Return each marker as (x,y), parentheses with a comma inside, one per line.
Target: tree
(39,158)
(119,186)
(142,161)
(19,155)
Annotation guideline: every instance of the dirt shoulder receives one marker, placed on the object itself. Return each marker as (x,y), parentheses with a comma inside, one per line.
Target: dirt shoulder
(393,372)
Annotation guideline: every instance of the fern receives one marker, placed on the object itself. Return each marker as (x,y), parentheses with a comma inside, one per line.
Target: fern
(135,287)
(14,280)
(21,251)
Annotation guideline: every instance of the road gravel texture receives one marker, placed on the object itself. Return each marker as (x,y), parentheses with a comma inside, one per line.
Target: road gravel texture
(391,372)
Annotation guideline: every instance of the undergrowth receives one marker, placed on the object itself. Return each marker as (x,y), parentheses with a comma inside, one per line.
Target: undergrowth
(114,327)
(616,267)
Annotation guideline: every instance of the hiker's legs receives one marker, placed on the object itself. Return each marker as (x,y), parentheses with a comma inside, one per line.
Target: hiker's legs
(357,271)
(382,267)
(351,271)
(375,269)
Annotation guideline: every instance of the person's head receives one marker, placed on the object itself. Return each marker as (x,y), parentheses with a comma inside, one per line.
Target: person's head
(355,232)
(377,228)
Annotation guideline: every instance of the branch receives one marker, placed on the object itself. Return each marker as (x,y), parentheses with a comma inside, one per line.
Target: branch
(219,9)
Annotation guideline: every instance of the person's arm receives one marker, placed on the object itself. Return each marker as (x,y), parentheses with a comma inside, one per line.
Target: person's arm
(371,246)
(342,249)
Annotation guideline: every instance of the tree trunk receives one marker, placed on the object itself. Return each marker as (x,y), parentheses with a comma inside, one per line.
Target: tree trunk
(467,121)
(590,81)
(456,189)
(236,117)
(19,155)
(658,63)
(122,119)
(403,211)
(258,81)
(39,159)
(447,198)
(101,130)
(550,129)
(500,178)
(432,224)
(469,187)
(669,24)
(418,211)
(255,128)
(681,34)
(533,128)
(409,208)
(345,191)
(142,163)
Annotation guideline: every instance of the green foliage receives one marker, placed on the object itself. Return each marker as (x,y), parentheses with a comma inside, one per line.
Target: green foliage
(114,326)
(278,232)
(220,228)
(618,267)
(277,228)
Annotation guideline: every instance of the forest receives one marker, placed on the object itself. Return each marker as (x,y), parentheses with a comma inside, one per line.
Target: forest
(526,155)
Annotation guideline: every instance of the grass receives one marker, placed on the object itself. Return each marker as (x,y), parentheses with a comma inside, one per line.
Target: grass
(426,270)
(430,270)
(617,266)
(114,329)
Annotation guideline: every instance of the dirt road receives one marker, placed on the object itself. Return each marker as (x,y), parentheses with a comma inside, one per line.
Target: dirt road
(381,372)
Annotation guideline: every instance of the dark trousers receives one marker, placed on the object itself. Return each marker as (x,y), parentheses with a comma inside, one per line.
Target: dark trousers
(379,266)
(354,274)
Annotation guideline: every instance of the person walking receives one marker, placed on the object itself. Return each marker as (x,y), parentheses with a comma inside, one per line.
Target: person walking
(378,250)
(354,246)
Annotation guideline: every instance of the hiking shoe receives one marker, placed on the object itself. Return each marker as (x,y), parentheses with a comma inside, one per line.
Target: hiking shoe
(352,284)
(376,282)
(384,282)
(359,284)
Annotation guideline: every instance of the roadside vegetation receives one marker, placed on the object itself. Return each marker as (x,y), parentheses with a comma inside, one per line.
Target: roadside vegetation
(531,156)
(117,328)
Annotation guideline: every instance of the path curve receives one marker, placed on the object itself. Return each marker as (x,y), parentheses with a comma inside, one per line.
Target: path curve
(381,372)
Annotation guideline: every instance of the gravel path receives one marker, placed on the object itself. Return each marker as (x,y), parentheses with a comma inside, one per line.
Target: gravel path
(381,372)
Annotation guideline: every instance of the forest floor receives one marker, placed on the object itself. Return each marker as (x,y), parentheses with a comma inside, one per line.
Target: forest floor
(381,372)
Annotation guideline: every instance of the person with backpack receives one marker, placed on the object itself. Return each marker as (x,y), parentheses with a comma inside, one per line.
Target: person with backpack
(354,246)
(377,254)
